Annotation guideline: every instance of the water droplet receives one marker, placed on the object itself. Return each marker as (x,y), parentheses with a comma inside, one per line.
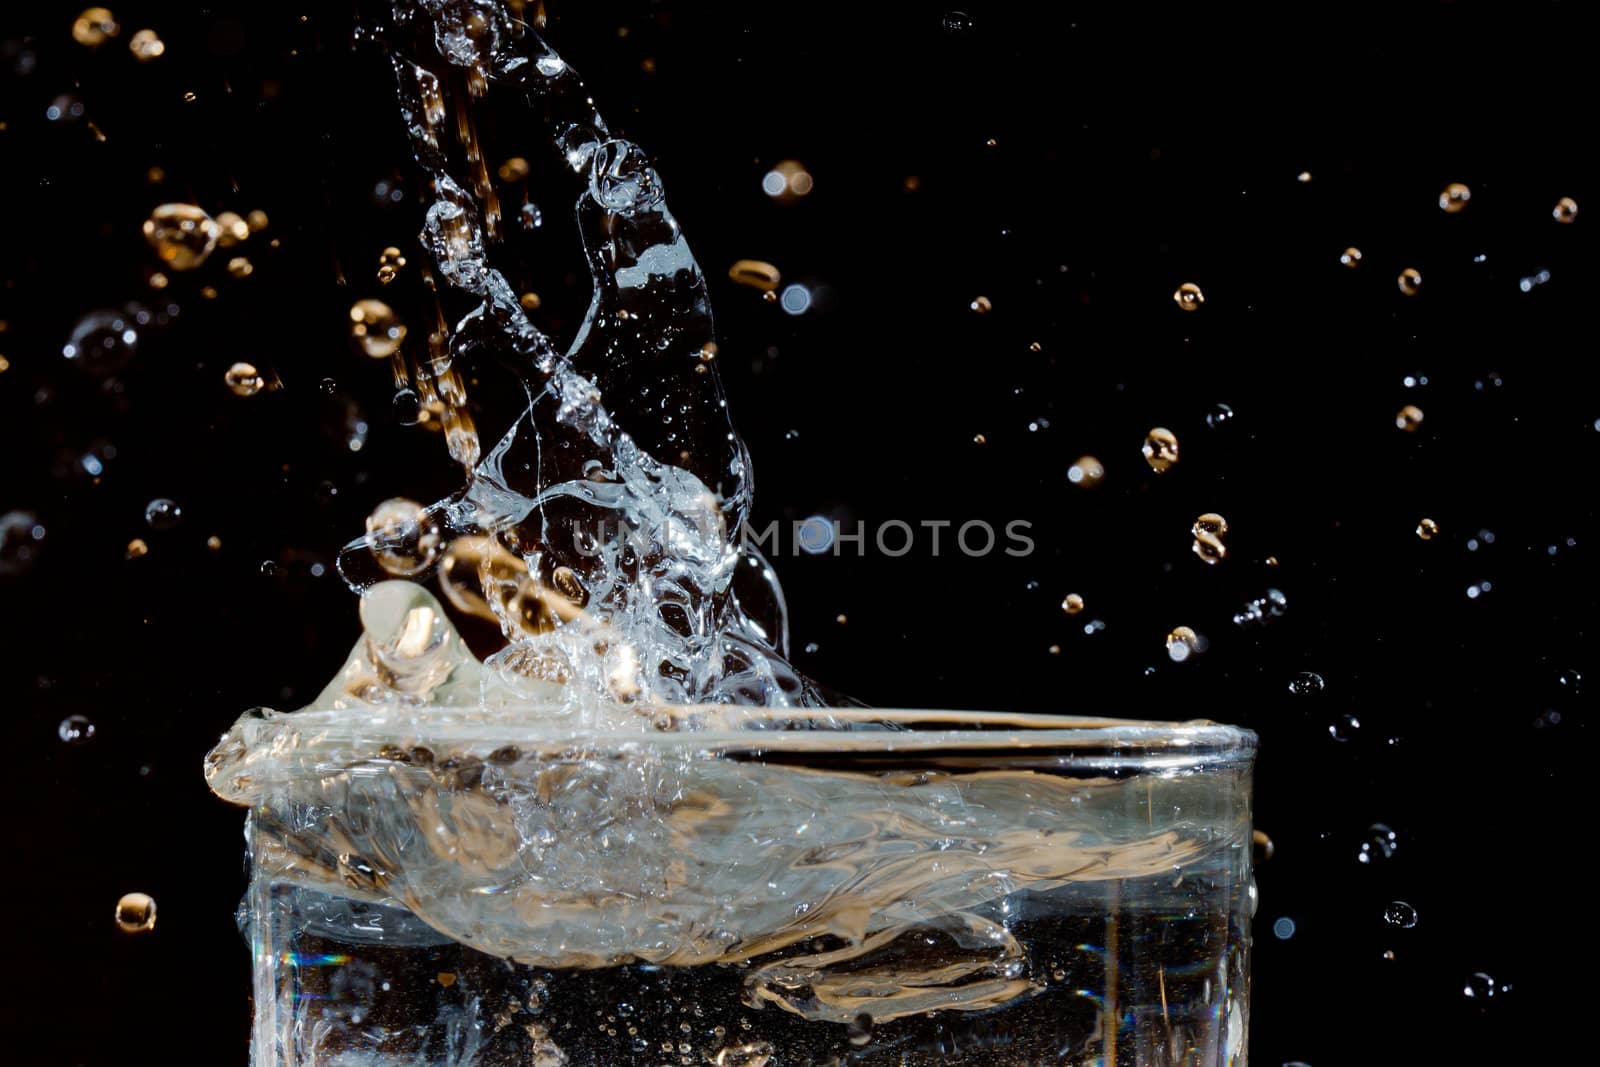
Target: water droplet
(1427,529)
(755,273)
(1400,914)
(1408,418)
(1072,604)
(21,537)
(1344,728)
(1566,210)
(1283,928)
(244,379)
(103,342)
(1269,605)
(95,27)
(1351,257)
(1454,197)
(450,232)
(162,514)
(407,407)
(1188,297)
(1086,473)
(859,1029)
(787,181)
(1482,987)
(231,229)
(145,46)
(532,217)
(1381,844)
(376,328)
(391,261)
(136,913)
(981,305)
(1219,416)
(64,108)
(956,22)
(181,234)
(1570,681)
(796,299)
(1160,449)
(1306,683)
(1410,281)
(76,730)
(754,1054)
(137,549)
(1183,643)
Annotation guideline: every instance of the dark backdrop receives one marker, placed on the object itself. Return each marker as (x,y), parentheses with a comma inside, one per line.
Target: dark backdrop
(1074,163)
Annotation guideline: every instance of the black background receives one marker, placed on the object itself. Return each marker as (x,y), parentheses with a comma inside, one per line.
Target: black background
(1134,147)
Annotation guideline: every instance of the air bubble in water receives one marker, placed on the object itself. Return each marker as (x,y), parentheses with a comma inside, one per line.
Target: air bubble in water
(1566,210)
(1086,473)
(1380,845)
(1160,449)
(103,341)
(376,328)
(1454,197)
(182,235)
(244,379)
(1306,683)
(95,27)
(1351,257)
(1219,416)
(136,913)
(1427,529)
(1410,281)
(1482,987)
(1188,296)
(162,514)
(1400,914)
(76,730)
(146,45)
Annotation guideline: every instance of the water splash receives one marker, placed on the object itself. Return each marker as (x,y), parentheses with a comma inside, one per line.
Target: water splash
(620,490)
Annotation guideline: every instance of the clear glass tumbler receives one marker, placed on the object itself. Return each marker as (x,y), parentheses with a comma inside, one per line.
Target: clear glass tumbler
(855,887)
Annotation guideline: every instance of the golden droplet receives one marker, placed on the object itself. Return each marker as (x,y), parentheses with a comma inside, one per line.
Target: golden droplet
(1209,548)
(514,169)
(756,273)
(1304,177)
(1454,197)
(155,175)
(403,537)
(979,439)
(158,280)
(376,328)
(1188,296)
(1427,529)
(1183,642)
(912,183)
(1036,347)
(137,548)
(530,301)
(209,292)
(1211,523)
(1408,418)
(1351,257)
(145,46)
(1086,473)
(446,978)
(189,98)
(95,27)
(233,229)
(240,267)
(5,364)
(256,220)
(1055,650)
(182,235)
(244,379)
(136,913)
(1566,210)
(214,543)
(982,305)
(1263,846)
(770,296)
(708,352)
(1072,604)
(1410,281)
(391,261)
(1160,449)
